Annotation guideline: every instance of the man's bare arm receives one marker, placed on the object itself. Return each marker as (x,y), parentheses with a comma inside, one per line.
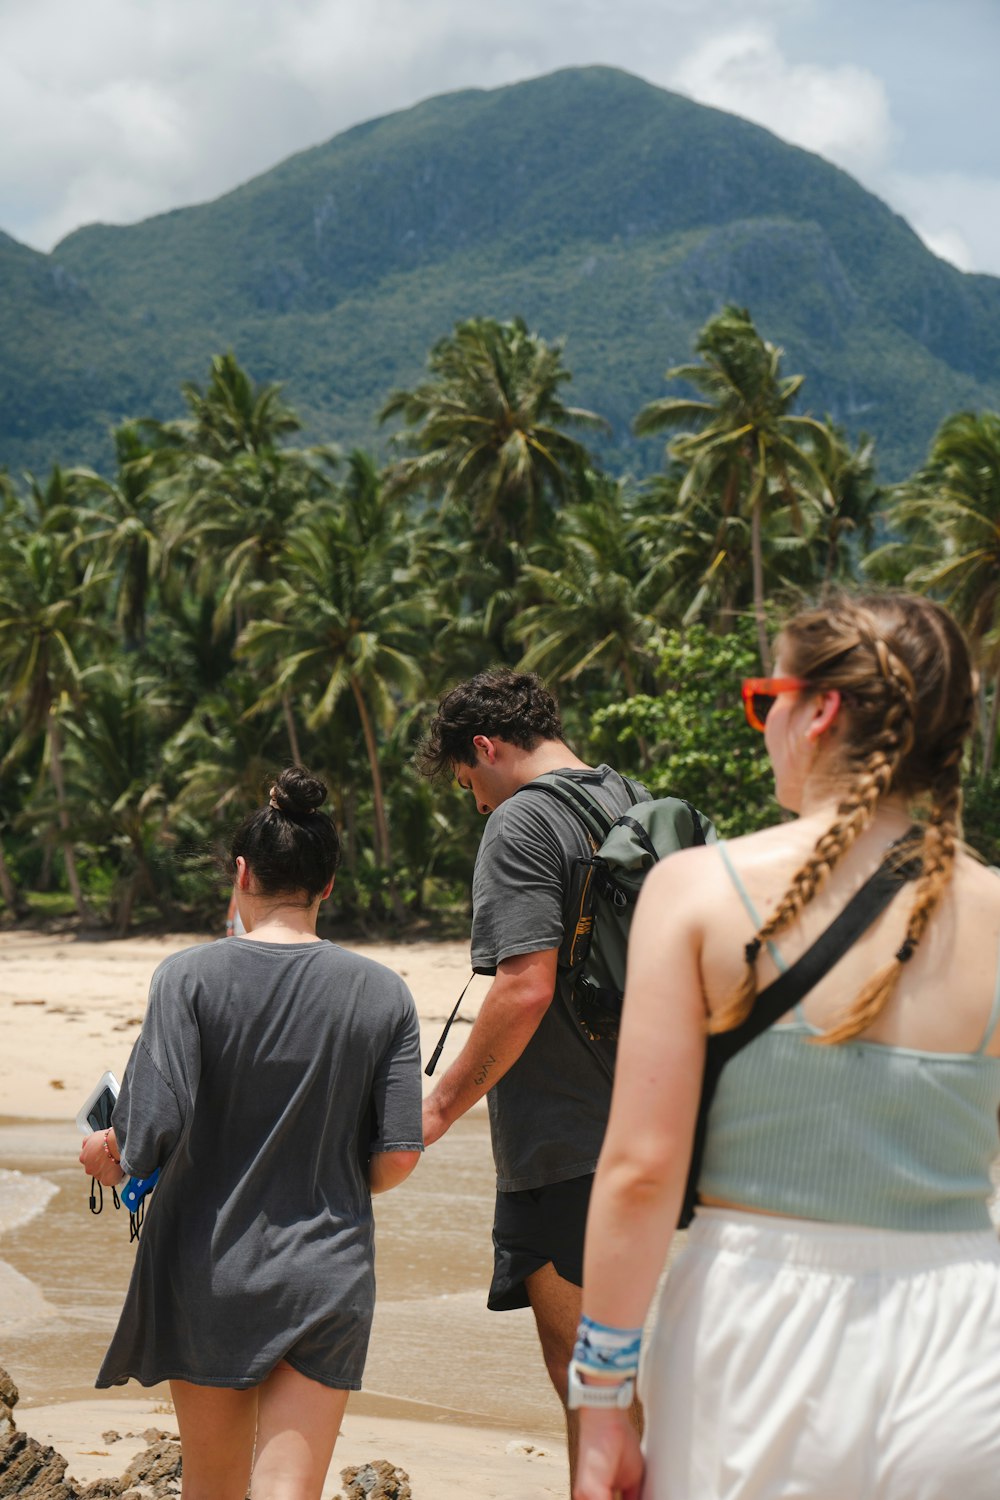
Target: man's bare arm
(510,1015)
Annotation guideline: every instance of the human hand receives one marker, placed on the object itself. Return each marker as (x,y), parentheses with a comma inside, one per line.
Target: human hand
(435,1121)
(608,1458)
(96,1160)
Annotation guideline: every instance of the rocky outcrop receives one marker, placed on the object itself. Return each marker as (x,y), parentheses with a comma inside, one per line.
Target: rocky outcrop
(380,1480)
(34,1472)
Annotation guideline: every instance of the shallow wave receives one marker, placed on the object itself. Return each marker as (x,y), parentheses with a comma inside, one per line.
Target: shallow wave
(22,1197)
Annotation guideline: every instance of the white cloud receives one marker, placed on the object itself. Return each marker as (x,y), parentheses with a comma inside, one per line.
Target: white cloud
(116,109)
(842,112)
(956,214)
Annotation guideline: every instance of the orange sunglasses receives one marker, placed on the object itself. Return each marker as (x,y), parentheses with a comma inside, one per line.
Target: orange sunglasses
(759,694)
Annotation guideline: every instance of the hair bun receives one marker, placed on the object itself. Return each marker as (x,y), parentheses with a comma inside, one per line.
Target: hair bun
(297,793)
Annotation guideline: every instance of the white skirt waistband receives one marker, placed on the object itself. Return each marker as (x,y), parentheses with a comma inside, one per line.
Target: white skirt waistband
(848,1248)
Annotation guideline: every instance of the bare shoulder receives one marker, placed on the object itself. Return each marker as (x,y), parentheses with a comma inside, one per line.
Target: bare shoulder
(978,885)
(684,874)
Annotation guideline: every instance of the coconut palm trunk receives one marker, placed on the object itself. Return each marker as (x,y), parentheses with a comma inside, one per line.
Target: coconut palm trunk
(290,729)
(59,782)
(763,645)
(9,891)
(990,731)
(382,847)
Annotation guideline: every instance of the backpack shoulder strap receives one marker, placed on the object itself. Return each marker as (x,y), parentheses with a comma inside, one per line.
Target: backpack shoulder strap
(635,789)
(699,832)
(574,796)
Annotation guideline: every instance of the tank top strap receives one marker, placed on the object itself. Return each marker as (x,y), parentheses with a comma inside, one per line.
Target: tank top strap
(994,1020)
(751,910)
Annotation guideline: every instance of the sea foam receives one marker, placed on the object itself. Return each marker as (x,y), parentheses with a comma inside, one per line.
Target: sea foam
(22,1196)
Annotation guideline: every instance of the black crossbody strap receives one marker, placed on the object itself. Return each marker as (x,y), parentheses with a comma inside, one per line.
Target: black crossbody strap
(806,972)
(790,987)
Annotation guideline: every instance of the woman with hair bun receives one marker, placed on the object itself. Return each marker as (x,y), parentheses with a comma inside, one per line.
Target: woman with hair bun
(276,1085)
(831,1328)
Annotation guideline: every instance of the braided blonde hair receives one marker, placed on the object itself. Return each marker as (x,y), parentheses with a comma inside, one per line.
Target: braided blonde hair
(902,667)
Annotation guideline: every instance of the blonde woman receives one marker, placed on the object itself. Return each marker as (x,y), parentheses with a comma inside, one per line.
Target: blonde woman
(832,1327)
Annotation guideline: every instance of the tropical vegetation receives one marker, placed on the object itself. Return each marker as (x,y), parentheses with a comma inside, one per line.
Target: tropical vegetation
(226,599)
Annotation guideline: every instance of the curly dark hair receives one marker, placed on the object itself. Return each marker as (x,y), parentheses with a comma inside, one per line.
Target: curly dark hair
(502,704)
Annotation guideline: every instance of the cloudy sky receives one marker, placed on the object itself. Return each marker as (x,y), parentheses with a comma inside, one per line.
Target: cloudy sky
(117,109)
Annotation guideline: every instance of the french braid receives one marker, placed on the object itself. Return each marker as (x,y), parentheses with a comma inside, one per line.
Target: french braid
(845,643)
(938,858)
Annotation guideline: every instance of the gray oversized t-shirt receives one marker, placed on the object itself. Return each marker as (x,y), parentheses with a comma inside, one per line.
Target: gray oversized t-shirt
(265,1076)
(549,1111)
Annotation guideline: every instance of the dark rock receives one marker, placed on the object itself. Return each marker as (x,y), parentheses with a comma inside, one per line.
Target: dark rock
(157,1470)
(32,1472)
(111,1436)
(101,1489)
(156,1435)
(8,1390)
(380,1480)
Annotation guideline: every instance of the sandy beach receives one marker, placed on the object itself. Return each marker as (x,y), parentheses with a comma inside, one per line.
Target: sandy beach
(456,1396)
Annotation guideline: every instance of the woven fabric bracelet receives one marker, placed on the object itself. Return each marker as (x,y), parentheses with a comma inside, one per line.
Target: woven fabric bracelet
(605,1350)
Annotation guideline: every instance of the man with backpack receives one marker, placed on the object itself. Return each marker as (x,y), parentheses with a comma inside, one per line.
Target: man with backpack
(540,1050)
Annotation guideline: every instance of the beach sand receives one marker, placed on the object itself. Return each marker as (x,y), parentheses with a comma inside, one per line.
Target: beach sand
(456,1396)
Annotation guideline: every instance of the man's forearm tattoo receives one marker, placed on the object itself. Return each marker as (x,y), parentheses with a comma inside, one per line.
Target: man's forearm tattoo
(481,1076)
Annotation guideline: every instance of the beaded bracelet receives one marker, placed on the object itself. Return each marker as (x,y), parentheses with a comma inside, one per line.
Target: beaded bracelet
(108,1151)
(605,1350)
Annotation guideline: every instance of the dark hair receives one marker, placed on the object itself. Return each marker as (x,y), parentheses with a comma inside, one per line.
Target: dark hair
(502,704)
(289,845)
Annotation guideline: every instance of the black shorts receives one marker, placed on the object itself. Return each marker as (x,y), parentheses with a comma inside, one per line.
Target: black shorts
(533,1227)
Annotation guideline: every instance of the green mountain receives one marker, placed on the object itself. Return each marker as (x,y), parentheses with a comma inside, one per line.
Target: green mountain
(596,206)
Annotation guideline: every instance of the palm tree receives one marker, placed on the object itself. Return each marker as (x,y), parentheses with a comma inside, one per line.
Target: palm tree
(594,607)
(9,802)
(701,563)
(45,616)
(234,492)
(949,514)
(850,518)
(488,429)
(114,757)
(748,454)
(231,415)
(345,616)
(118,520)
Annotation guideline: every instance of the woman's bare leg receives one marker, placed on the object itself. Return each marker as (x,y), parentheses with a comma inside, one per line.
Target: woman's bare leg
(217,1427)
(298,1421)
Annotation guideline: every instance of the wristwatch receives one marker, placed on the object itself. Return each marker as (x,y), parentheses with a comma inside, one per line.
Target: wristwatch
(610,1397)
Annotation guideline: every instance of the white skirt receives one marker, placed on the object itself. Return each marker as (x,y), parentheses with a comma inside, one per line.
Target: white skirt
(792,1360)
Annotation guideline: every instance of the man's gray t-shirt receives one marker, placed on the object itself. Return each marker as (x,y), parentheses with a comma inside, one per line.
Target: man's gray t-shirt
(265,1076)
(549,1111)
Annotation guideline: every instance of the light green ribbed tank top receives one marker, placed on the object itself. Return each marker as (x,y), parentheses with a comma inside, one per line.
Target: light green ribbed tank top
(859,1133)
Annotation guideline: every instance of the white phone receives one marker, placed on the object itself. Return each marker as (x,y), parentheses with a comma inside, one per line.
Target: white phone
(96,1113)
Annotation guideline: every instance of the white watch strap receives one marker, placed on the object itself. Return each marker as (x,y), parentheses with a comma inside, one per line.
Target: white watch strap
(610,1397)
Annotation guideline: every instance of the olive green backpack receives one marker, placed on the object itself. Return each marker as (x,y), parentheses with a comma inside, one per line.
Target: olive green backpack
(623,851)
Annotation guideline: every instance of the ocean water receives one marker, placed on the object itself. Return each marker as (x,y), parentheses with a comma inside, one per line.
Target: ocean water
(436,1351)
